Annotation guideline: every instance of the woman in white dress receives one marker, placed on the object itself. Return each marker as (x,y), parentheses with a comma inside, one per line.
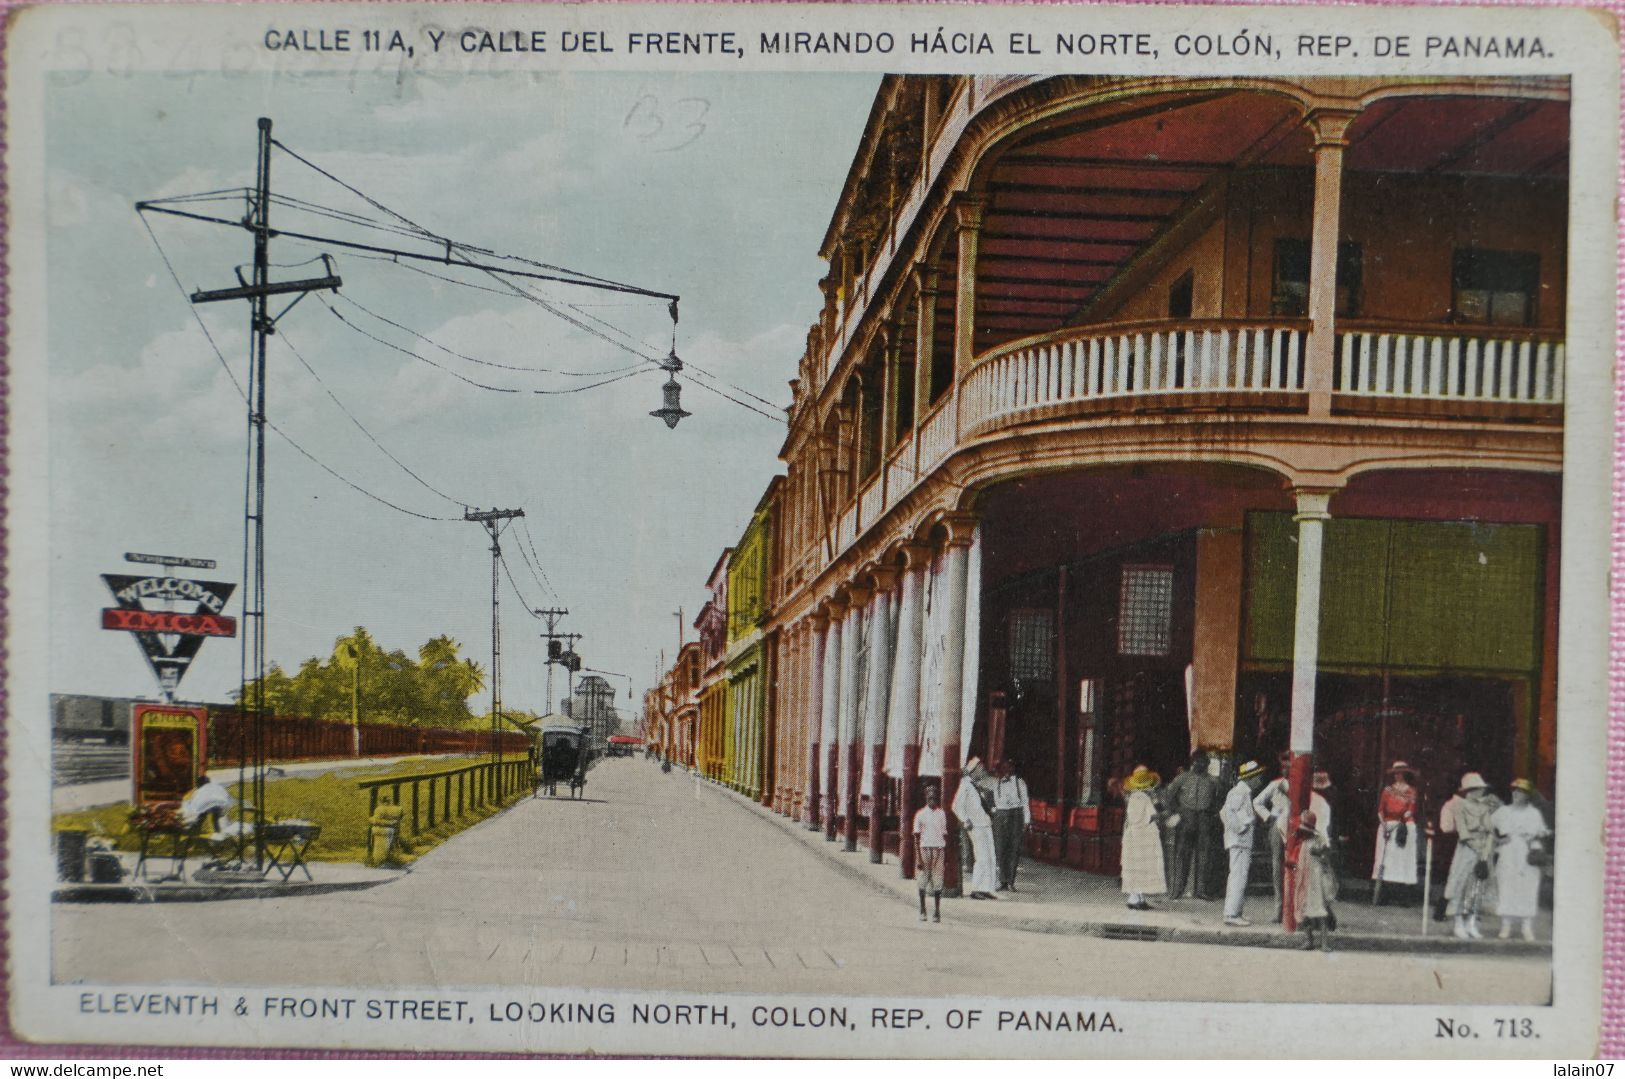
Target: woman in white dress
(1143,869)
(1519,829)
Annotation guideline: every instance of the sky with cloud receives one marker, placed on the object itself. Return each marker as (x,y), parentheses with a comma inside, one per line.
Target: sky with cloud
(714,187)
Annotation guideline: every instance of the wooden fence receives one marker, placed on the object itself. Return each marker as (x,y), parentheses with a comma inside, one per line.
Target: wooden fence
(434,797)
(292,738)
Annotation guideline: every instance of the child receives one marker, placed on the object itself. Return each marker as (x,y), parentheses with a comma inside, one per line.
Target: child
(1313,894)
(930,844)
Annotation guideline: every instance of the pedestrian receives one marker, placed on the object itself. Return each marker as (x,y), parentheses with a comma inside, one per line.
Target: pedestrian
(1321,787)
(1143,870)
(1312,889)
(1274,806)
(1397,812)
(1238,818)
(978,826)
(1012,815)
(930,851)
(1520,852)
(1192,800)
(1469,886)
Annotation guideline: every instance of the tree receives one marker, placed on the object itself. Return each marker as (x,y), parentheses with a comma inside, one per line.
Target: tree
(431,691)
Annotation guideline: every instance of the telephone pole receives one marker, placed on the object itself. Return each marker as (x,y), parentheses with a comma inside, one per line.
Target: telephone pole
(552,615)
(492,522)
(257,291)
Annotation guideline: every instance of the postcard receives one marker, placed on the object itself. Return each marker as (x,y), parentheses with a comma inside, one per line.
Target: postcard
(810,530)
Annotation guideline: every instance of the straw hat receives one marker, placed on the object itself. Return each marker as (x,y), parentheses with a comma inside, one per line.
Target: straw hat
(1143,779)
(1523,785)
(1472,781)
(1401,766)
(1249,770)
(1322,780)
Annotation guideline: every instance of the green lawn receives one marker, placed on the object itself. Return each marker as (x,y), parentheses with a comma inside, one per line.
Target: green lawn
(331,800)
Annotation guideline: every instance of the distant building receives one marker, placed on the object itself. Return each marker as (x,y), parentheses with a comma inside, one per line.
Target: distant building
(592,705)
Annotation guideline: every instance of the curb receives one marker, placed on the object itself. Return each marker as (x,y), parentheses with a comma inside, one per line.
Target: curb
(1131,931)
(195,893)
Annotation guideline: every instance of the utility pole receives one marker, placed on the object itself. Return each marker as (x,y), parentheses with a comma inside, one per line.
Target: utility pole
(492,521)
(258,290)
(552,615)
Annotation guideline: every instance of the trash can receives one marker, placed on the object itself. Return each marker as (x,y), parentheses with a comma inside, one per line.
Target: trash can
(70,854)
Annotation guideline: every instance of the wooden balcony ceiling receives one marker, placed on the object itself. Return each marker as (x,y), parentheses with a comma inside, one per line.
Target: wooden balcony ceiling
(1071,204)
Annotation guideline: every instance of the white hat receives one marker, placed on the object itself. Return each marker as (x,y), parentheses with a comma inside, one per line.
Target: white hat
(1472,781)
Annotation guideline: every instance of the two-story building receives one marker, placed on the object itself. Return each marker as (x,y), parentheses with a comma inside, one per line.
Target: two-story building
(1146,415)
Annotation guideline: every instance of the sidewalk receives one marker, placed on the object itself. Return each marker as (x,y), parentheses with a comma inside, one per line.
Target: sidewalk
(327,877)
(1051,899)
(79,796)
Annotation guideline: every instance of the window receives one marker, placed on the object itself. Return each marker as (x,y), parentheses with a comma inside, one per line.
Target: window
(1290,293)
(1181,295)
(1145,611)
(1494,287)
(1032,654)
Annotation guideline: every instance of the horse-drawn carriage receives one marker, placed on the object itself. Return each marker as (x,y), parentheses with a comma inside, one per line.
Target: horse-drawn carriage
(566,754)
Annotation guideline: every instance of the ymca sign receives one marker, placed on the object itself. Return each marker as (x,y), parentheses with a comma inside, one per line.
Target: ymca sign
(169,637)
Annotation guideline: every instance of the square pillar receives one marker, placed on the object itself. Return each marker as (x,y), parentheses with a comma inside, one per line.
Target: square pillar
(1330,128)
(969,214)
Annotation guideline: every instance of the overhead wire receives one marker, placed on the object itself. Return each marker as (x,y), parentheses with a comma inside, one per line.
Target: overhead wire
(508,573)
(534,575)
(474,359)
(529,539)
(242,393)
(404,467)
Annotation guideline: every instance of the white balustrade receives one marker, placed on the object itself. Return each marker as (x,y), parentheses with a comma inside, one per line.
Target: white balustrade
(1097,363)
(1450,367)
(900,472)
(936,436)
(846,530)
(872,503)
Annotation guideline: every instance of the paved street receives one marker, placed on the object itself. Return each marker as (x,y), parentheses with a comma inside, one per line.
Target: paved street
(659,881)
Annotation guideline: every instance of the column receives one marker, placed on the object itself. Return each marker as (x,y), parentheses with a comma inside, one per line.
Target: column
(880,614)
(969,214)
(925,337)
(903,716)
(816,675)
(1329,129)
(1311,517)
(851,738)
(887,387)
(961,528)
(830,723)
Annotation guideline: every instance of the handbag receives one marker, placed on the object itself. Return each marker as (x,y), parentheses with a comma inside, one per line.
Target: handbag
(1539,856)
(1481,870)
(1402,835)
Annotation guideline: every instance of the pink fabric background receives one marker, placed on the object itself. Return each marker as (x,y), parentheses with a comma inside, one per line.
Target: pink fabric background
(1613,1013)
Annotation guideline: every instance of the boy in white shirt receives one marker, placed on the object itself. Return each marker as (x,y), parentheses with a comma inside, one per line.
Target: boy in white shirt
(930,846)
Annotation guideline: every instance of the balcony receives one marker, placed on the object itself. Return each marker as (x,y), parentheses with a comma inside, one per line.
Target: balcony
(1433,372)
(1501,373)
(1212,363)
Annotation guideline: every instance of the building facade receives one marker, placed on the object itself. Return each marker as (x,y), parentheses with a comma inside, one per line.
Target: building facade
(1149,415)
(713,753)
(750,653)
